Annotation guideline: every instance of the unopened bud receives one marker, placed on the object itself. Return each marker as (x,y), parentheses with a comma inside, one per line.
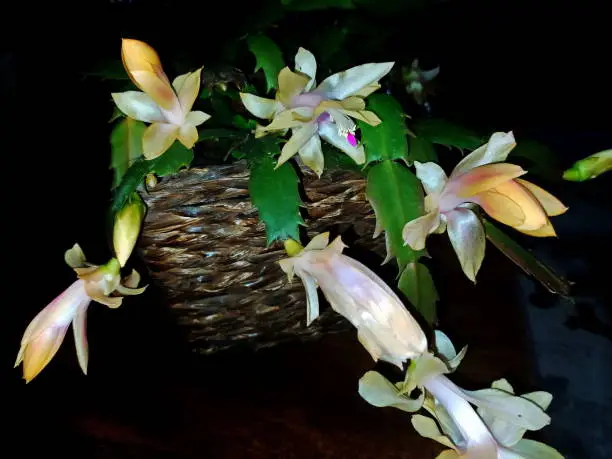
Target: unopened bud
(126,229)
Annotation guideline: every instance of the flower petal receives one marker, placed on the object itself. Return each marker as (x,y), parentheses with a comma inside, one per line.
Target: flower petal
(502,405)
(287,265)
(319,242)
(158,138)
(39,352)
(306,63)
(416,231)
(531,449)
(312,298)
(427,428)
(259,106)
(196,118)
(74,257)
(495,150)
(187,87)
(112,302)
(145,70)
(545,231)
(367,90)
(287,119)
(446,349)
(132,280)
(512,204)
(79,327)
(551,205)
(364,115)
(384,325)
(467,236)
(290,84)
(59,312)
(139,106)
(378,391)
(350,82)
(298,139)
(483,178)
(329,132)
(312,155)
(188,135)
(428,75)
(431,176)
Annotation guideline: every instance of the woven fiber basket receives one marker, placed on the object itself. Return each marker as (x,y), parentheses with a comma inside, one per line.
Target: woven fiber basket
(206,249)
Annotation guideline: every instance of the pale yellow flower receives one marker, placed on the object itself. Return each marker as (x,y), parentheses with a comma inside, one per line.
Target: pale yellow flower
(480,179)
(167,107)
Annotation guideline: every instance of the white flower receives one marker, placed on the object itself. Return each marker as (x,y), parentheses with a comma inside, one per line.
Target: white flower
(384,326)
(322,112)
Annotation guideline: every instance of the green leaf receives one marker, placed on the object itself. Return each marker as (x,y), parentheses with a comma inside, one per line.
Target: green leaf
(173,160)
(542,160)
(126,146)
(242,123)
(176,157)
(309,5)
(388,139)
(418,286)
(223,113)
(421,149)
(397,198)
(273,192)
(220,133)
(446,133)
(268,58)
(526,260)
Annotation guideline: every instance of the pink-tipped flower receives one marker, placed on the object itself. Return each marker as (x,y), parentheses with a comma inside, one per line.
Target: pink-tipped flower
(322,112)
(45,334)
(167,107)
(384,326)
(480,179)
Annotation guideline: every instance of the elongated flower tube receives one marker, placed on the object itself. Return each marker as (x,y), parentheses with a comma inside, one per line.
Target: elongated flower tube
(480,179)
(167,107)
(45,334)
(384,326)
(322,112)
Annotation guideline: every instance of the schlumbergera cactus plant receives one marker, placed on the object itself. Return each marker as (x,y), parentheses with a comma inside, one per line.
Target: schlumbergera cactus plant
(347,118)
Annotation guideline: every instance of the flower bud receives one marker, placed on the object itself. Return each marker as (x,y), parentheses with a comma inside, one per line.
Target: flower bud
(126,229)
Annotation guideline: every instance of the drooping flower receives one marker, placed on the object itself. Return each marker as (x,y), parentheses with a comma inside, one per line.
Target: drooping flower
(494,432)
(480,179)
(45,333)
(384,326)
(322,112)
(167,107)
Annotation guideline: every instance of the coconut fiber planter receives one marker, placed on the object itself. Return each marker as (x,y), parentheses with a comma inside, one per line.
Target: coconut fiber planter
(206,249)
